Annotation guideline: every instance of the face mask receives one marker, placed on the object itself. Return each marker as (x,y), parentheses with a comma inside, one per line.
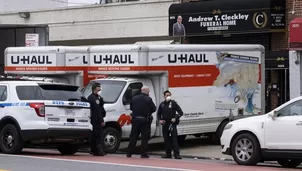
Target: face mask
(99,93)
(168,98)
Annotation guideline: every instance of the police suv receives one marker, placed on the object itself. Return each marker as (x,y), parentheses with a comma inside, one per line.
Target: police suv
(42,113)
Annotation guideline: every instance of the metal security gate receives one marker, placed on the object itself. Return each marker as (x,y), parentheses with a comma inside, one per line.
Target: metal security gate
(259,38)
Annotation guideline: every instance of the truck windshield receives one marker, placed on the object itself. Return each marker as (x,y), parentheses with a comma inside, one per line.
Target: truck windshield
(111,89)
(49,92)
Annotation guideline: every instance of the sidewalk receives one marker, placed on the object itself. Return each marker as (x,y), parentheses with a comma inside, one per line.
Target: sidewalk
(193,148)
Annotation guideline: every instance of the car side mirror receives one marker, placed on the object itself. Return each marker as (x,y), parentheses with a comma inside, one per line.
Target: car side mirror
(273,115)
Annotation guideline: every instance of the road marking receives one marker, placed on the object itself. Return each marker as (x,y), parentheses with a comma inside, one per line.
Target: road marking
(4,170)
(95,162)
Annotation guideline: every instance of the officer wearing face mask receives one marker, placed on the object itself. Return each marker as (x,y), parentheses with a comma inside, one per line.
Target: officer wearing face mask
(168,118)
(97,115)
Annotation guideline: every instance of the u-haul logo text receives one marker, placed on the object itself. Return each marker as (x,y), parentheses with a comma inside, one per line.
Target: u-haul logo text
(188,58)
(35,59)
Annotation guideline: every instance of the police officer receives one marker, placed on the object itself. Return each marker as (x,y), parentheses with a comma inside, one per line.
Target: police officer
(142,107)
(167,117)
(97,114)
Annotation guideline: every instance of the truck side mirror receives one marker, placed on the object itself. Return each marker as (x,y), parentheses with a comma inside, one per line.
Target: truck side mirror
(127,107)
(126,101)
(83,99)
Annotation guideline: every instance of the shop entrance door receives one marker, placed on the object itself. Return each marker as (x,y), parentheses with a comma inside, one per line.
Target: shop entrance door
(277,88)
(276,79)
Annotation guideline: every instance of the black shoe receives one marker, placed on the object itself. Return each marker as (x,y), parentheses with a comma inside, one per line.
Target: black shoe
(166,156)
(177,157)
(129,155)
(145,156)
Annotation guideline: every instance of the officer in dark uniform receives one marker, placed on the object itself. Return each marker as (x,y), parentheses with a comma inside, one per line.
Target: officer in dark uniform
(142,108)
(167,117)
(97,114)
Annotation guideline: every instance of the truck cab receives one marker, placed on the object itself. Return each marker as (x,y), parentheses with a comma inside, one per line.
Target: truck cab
(117,93)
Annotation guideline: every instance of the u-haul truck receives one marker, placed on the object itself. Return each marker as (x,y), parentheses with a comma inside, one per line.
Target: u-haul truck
(212,83)
(67,64)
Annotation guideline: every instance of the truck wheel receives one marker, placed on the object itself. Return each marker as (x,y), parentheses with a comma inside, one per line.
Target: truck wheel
(246,149)
(289,163)
(112,140)
(11,141)
(217,135)
(68,149)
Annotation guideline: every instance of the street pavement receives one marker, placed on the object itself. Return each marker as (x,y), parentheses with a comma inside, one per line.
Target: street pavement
(50,160)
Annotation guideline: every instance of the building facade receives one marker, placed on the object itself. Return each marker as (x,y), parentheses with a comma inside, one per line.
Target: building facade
(126,22)
(29,5)
(263,22)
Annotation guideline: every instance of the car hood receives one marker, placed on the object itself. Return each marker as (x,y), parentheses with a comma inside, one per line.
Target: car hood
(258,118)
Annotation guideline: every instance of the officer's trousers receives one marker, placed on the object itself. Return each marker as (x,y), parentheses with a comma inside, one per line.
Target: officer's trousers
(139,126)
(97,142)
(171,142)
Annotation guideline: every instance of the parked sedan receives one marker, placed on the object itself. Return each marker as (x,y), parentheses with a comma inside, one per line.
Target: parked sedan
(275,136)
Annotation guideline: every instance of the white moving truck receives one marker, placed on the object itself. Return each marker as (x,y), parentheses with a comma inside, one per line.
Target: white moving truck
(212,83)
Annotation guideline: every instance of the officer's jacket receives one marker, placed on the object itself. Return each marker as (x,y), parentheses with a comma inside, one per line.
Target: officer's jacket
(167,110)
(142,105)
(97,111)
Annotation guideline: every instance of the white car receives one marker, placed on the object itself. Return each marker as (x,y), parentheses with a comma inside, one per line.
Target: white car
(42,113)
(275,136)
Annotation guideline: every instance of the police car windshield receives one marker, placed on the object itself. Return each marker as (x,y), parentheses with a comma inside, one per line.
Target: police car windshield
(111,89)
(49,92)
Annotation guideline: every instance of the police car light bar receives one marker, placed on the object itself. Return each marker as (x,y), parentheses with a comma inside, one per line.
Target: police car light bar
(24,78)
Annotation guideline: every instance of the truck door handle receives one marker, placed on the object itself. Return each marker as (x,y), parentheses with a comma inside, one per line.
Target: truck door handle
(299,123)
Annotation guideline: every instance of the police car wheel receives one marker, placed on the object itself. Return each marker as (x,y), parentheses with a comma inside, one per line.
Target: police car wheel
(68,149)
(112,140)
(11,140)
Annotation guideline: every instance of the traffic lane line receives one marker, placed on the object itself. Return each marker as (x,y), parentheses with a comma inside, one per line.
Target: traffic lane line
(109,160)
(155,163)
(4,170)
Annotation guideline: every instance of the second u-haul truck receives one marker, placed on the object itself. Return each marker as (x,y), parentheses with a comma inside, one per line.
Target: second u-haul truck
(213,84)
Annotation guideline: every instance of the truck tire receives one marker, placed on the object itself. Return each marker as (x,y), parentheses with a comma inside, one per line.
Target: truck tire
(246,149)
(217,135)
(11,141)
(288,163)
(68,149)
(112,140)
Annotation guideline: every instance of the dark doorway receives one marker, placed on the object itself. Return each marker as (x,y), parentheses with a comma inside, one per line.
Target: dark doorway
(276,79)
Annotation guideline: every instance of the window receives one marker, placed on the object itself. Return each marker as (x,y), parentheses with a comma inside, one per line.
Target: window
(3,93)
(292,109)
(49,92)
(132,90)
(110,92)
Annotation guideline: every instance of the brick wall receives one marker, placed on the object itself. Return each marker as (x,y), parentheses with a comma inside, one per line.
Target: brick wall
(280,41)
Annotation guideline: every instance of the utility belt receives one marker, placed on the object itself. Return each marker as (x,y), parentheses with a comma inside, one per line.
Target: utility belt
(148,118)
(168,121)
